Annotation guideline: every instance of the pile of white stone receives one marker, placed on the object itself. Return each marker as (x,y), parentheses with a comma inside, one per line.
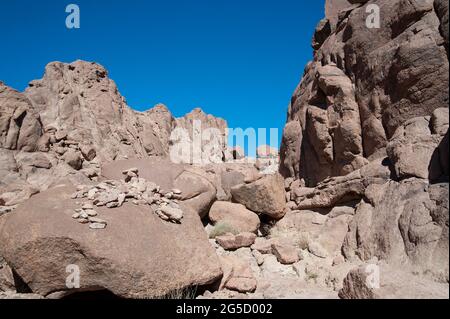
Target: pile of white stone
(87,215)
(139,191)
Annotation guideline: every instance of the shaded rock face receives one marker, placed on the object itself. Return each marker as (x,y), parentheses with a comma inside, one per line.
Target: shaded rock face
(137,256)
(415,149)
(363,84)
(20,127)
(403,223)
(394,284)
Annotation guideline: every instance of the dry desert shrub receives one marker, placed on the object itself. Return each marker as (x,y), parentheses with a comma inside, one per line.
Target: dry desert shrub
(222,228)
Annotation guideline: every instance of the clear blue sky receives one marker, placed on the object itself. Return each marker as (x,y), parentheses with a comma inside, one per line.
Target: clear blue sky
(237,59)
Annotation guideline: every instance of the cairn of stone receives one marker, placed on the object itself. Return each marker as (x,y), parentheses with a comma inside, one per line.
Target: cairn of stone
(133,189)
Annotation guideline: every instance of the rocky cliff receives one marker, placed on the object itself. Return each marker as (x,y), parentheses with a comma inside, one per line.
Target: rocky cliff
(363,84)
(367,128)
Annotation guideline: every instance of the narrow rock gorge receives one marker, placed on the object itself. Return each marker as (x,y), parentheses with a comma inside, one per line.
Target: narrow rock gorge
(360,185)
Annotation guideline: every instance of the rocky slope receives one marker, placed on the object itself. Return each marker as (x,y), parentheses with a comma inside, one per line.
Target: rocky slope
(362,189)
(70,122)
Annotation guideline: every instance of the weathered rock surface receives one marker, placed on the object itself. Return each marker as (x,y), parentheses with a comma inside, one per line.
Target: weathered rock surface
(238,275)
(198,191)
(199,138)
(12,295)
(7,283)
(138,255)
(266,196)
(343,189)
(363,84)
(232,242)
(76,116)
(403,223)
(414,148)
(321,234)
(235,215)
(394,283)
(80,100)
(285,254)
(365,150)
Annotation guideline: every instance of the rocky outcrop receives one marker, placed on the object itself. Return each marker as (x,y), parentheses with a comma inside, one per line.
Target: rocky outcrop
(137,256)
(199,138)
(403,223)
(374,281)
(79,104)
(342,189)
(7,283)
(415,149)
(366,144)
(76,118)
(357,93)
(364,157)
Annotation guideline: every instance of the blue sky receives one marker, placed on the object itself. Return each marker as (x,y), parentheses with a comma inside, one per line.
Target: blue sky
(237,59)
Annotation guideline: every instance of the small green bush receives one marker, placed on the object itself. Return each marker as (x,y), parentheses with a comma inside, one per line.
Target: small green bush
(222,228)
(312,276)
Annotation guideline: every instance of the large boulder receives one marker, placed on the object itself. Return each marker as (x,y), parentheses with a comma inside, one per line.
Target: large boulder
(414,148)
(265,196)
(235,215)
(137,255)
(197,189)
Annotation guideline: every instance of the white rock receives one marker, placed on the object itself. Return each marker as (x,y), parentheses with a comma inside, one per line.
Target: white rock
(87,206)
(91,194)
(84,215)
(91,212)
(96,220)
(317,250)
(174,214)
(97,226)
(121,199)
